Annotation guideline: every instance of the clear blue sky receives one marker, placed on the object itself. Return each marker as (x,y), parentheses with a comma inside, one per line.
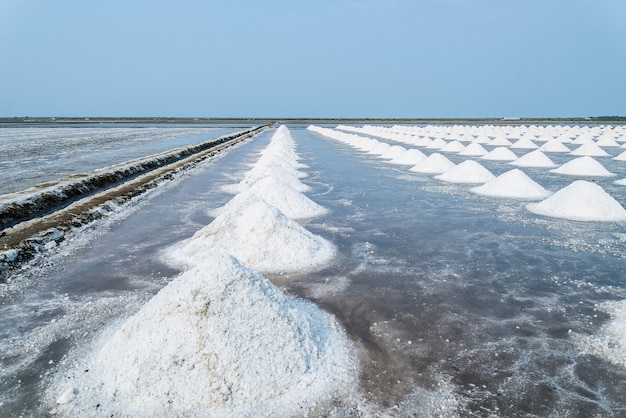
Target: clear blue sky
(325,58)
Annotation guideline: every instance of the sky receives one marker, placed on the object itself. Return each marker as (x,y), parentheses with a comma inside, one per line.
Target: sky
(317,59)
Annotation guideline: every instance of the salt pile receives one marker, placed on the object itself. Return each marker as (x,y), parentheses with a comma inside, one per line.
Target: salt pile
(590,149)
(219,340)
(500,141)
(437,144)
(454,146)
(474,150)
(268,169)
(380,148)
(554,146)
(394,151)
(276,192)
(468,171)
(514,184)
(610,344)
(583,166)
(433,164)
(620,157)
(524,143)
(580,201)
(534,159)
(500,154)
(257,234)
(411,157)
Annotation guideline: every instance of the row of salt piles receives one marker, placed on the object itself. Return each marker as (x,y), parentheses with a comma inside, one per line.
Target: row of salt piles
(581,200)
(221,339)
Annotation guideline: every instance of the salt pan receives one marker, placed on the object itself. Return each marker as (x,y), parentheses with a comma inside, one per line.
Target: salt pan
(580,201)
(514,184)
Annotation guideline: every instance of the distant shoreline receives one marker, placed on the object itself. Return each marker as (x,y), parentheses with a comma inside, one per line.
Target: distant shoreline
(262,121)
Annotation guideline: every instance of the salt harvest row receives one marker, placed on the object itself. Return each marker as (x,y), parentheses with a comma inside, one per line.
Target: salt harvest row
(221,339)
(582,200)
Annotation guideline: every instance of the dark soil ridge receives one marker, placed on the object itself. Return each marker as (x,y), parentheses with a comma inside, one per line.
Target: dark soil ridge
(46,198)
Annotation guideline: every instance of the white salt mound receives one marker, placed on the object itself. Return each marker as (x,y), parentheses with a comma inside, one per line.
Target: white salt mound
(590,149)
(411,157)
(380,148)
(610,343)
(513,184)
(500,154)
(394,151)
(583,166)
(434,164)
(469,171)
(222,340)
(454,146)
(524,143)
(554,146)
(474,149)
(580,201)
(261,237)
(620,157)
(274,191)
(261,171)
(534,158)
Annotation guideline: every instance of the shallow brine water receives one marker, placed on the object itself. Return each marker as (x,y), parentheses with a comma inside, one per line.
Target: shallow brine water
(458,304)
(32,155)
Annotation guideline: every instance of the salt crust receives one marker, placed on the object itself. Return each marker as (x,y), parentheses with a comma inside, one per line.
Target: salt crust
(513,184)
(469,171)
(583,166)
(580,201)
(610,343)
(434,164)
(219,340)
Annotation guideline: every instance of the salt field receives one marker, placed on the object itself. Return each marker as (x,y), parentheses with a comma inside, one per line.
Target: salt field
(352,270)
